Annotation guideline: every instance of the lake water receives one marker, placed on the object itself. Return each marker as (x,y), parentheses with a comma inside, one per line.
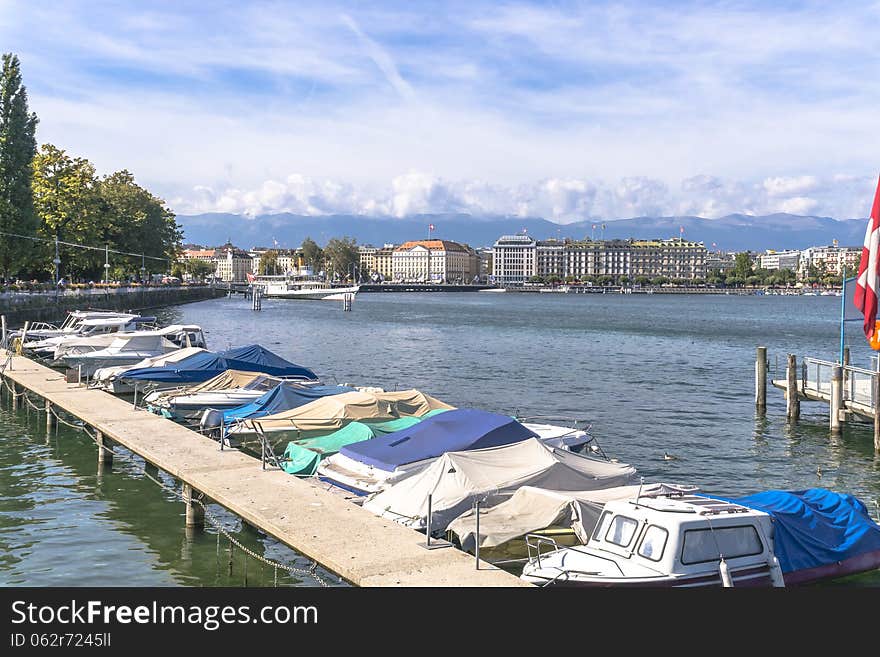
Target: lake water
(651,373)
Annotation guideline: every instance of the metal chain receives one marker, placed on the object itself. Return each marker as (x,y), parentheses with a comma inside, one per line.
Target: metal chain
(310,572)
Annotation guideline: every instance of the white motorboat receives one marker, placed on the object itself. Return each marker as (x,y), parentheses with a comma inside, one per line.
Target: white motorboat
(286,288)
(774,538)
(107,378)
(37,331)
(88,355)
(89,328)
(227,390)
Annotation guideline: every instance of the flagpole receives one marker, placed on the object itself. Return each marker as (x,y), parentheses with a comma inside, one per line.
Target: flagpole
(842,315)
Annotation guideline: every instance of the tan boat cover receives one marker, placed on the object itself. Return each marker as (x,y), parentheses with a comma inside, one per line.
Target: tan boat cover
(531,509)
(227,380)
(456,479)
(335,411)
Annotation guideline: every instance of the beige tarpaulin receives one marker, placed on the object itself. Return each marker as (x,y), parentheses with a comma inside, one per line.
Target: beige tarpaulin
(531,509)
(456,479)
(335,411)
(229,380)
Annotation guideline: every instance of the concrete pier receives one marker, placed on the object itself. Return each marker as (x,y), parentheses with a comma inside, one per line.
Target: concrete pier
(364,549)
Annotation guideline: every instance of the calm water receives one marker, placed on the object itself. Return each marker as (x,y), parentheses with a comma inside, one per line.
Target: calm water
(652,374)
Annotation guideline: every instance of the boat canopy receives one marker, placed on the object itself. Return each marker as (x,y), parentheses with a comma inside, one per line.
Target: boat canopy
(283,397)
(171,357)
(458,430)
(531,509)
(331,413)
(816,526)
(456,479)
(203,366)
(301,457)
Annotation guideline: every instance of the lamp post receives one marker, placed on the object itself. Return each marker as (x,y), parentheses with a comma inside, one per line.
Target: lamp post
(56,261)
(106,263)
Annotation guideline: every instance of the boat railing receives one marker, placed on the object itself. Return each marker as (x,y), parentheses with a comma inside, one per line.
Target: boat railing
(536,546)
(857,381)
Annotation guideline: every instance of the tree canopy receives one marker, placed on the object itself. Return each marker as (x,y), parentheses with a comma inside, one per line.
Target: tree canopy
(17,148)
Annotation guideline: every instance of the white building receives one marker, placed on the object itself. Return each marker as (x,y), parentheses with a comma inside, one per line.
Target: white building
(514,259)
(434,261)
(772,260)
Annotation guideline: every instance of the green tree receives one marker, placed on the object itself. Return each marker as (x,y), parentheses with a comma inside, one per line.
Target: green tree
(537,279)
(69,205)
(342,257)
(268,263)
(312,254)
(132,220)
(17,149)
(742,265)
(642,280)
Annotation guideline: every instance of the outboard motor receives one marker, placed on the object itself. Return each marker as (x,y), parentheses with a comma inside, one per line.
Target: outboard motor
(211,419)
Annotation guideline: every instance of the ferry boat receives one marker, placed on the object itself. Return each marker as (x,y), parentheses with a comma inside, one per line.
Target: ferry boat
(282,287)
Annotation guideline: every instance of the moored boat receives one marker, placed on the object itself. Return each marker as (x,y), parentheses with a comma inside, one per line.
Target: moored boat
(774,538)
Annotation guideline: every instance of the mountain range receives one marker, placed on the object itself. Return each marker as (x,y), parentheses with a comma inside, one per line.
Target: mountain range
(735,232)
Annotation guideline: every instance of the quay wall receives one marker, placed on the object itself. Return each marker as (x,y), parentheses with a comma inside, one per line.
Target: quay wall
(52,306)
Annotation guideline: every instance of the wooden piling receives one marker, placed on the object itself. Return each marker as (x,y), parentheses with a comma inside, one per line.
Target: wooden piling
(761,379)
(195,513)
(793,402)
(836,397)
(105,456)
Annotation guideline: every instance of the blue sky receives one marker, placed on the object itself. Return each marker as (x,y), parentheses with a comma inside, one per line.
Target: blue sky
(566,110)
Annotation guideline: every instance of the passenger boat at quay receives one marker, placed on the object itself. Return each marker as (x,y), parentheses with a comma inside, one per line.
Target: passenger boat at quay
(311,288)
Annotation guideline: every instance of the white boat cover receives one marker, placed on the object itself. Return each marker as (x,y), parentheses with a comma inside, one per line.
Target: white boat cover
(457,479)
(331,413)
(531,509)
(227,380)
(105,373)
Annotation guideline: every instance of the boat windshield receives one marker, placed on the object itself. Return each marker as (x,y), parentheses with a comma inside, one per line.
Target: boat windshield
(702,545)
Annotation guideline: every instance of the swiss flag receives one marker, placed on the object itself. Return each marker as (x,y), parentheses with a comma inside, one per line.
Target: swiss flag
(865,296)
(251,278)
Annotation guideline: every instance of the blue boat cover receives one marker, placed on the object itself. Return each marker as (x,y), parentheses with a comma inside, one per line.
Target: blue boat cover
(815,527)
(282,397)
(453,431)
(207,364)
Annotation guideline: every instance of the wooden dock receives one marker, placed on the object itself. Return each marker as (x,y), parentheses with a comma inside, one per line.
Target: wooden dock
(849,391)
(362,548)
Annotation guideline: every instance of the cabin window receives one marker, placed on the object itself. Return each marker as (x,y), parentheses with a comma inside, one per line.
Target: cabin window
(601,526)
(701,545)
(621,531)
(653,543)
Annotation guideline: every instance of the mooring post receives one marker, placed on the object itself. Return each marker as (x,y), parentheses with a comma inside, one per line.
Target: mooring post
(836,397)
(48,415)
(14,396)
(793,402)
(477,536)
(877,413)
(3,330)
(761,379)
(195,514)
(105,456)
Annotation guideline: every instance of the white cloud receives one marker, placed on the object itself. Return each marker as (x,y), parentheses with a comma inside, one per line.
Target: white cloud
(786,186)
(562,200)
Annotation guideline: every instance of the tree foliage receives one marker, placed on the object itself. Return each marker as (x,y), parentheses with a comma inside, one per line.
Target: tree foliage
(268,263)
(742,265)
(342,258)
(17,148)
(313,255)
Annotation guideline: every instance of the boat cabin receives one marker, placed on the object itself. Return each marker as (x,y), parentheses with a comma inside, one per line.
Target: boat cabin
(668,540)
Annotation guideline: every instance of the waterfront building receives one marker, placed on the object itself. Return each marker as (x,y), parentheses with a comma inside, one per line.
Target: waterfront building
(377,262)
(233,264)
(720,260)
(514,259)
(830,259)
(517,258)
(434,261)
(773,260)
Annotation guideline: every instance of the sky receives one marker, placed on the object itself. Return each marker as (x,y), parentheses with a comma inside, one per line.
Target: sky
(561,110)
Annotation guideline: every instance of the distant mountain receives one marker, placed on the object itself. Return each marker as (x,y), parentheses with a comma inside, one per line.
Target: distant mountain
(734,232)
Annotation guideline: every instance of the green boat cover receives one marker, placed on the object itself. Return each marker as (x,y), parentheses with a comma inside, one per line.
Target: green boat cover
(301,457)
